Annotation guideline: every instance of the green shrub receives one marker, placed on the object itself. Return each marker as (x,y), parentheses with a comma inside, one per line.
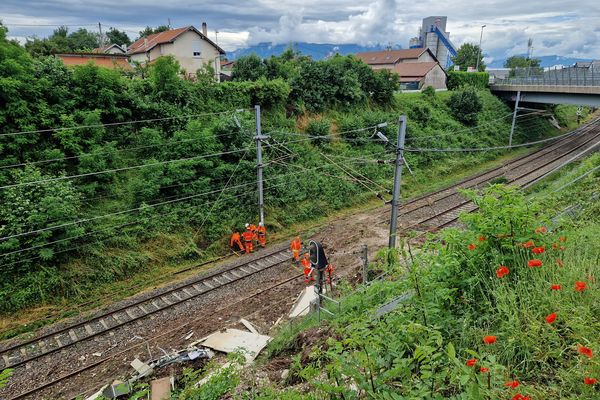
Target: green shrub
(465,105)
(459,79)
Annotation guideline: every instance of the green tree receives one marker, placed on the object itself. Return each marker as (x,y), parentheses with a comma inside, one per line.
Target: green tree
(82,39)
(150,31)
(519,62)
(118,37)
(249,68)
(467,56)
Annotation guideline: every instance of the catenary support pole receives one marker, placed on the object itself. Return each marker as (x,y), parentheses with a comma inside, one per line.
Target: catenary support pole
(101,38)
(365,257)
(259,166)
(397,180)
(514,120)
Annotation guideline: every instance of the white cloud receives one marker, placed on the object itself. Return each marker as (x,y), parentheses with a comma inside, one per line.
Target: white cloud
(557,27)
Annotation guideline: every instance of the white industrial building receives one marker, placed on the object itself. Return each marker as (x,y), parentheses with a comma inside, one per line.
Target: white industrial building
(433,36)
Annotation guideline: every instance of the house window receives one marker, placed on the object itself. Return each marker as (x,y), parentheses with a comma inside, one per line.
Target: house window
(196,49)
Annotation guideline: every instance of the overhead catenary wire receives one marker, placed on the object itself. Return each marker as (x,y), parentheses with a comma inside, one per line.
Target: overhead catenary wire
(492,148)
(146,206)
(118,150)
(76,127)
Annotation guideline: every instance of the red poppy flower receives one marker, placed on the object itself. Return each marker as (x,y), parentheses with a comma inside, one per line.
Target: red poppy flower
(555,287)
(590,381)
(519,396)
(500,272)
(471,362)
(562,238)
(534,263)
(559,262)
(538,250)
(541,229)
(580,286)
(586,351)
(482,238)
(489,339)
(512,384)
(484,370)
(550,318)
(472,247)
(528,244)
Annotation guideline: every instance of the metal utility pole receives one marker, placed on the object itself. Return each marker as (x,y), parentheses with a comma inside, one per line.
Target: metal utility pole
(397,180)
(101,38)
(480,50)
(259,165)
(514,120)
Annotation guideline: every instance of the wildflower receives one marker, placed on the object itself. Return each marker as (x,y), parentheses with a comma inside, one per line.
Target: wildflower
(586,351)
(538,250)
(482,238)
(559,262)
(541,229)
(590,381)
(512,384)
(534,263)
(554,246)
(489,339)
(472,247)
(519,396)
(562,248)
(550,318)
(562,238)
(528,244)
(580,286)
(555,287)
(484,370)
(471,362)
(500,272)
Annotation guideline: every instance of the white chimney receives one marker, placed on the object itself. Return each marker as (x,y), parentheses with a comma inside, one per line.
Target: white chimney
(204,29)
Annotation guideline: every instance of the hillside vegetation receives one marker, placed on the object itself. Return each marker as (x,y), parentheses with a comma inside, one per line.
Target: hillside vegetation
(89,197)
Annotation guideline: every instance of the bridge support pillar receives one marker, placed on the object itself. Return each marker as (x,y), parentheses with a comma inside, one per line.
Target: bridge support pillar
(514,120)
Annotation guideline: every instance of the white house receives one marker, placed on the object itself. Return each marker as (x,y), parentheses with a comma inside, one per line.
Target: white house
(192,48)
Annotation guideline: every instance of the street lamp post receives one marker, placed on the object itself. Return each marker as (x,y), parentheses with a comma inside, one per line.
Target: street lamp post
(480,51)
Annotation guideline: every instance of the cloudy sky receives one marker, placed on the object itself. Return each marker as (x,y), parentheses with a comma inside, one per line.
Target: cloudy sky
(557,27)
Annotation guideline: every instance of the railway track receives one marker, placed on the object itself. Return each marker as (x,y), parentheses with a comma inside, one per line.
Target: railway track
(21,353)
(447,201)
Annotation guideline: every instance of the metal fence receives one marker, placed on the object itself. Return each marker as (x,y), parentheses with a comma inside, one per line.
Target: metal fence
(571,76)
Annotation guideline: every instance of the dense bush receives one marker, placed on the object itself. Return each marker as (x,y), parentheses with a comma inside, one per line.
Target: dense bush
(459,79)
(465,105)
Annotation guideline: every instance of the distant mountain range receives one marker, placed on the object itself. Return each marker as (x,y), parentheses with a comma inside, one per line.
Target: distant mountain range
(546,61)
(319,51)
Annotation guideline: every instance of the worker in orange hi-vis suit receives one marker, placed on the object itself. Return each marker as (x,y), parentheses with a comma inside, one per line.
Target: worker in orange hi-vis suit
(248,238)
(236,239)
(262,234)
(308,269)
(252,228)
(329,273)
(296,246)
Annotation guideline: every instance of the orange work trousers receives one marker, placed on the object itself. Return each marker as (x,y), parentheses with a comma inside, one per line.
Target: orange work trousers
(248,247)
(262,239)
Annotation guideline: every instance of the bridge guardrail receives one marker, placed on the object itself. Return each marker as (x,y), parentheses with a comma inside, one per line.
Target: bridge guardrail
(571,76)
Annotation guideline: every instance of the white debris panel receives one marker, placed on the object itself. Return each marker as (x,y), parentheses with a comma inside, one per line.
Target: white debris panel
(230,340)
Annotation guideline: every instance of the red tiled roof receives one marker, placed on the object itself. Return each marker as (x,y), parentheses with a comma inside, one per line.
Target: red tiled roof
(389,56)
(147,43)
(113,61)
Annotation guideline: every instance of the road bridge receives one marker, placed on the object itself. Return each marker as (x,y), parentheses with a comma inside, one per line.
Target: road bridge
(573,85)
